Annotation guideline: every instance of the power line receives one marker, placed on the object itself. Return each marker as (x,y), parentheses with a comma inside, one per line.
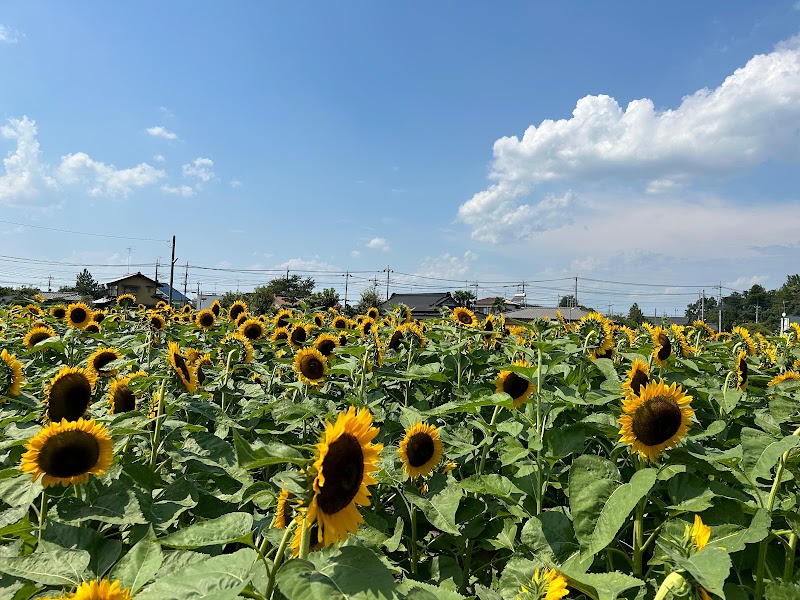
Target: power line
(104,235)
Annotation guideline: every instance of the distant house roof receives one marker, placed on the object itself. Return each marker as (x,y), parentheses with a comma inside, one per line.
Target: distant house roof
(65,296)
(545,312)
(422,305)
(137,274)
(491,301)
(163,291)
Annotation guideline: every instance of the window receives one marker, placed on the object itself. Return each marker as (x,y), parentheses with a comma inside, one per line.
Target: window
(130,289)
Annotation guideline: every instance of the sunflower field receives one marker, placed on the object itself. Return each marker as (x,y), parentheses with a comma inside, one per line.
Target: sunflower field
(177,454)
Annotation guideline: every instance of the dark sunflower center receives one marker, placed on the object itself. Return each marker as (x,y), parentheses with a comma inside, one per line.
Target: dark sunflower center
(59,313)
(215,310)
(253,331)
(419,449)
(78,315)
(236,310)
(156,323)
(666,347)
(465,318)
(318,321)
(281,335)
(657,420)
(180,362)
(639,379)
(367,326)
(343,340)
(515,386)
(339,324)
(743,371)
(93,328)
(102,359)
(283,321)
(488,326)
(397,338)
(326,347)
(69,398)
(312,367)
(98,317)
(69,453)
(207,320)
(343,469)
(299,335)
(38,337)
(124,400)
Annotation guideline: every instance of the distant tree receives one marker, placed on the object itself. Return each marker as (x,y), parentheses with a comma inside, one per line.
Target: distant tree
(87,287)
(260,300)
(567,301)
(369,299)
(229,298)
(464,298)
(327,298)
(635,314)
(291,288)
(499,304)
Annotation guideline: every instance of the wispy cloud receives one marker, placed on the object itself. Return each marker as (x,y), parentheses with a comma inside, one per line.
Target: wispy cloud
(9,35)
(180,190)
(447,266)
(201,169)
(379,243)
(162,132)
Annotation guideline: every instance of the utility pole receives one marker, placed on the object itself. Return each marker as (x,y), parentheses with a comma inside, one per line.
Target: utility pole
(129,258)
(703,307)
(197,302)
(387,270)
(185,280)
(720,308)
(346,277)
(757,312)
(610,310)
(172,271)
(157,265)
(576,292)
(49,280)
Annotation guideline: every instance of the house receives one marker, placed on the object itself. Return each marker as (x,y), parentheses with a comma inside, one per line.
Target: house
(545,312)
(423,306)
(178,299)
(143,288)
(66,297)
(486,305)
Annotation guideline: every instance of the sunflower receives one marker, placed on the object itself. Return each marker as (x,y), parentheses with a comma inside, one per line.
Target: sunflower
(340,322)
(66,452)
(678,340)
(69,394)
(638,376)
(98,316)
(785,376)
(157,321)
(326,344)
(100,358)
(373,313)
(315,541)
(100,590)
(628,337)
(79,315)
(319,319)
(197,365)
(397,338)
(608,353)
(237,309)
(59,311)
(237,341)
(38,334)
(252,329)
(186,309)
(126,300)
(595,328)
(345,458)
(741,370)
(282,318)
(205,319)
(311,366)
(38,297)
(705,331)
(546,584)
(34,310)
(515,385)
(367,326)
(420,450)
(185,373)
(284,512)
(162,305)
(740,335)
(655,419)
(464,316)
(697,535)
(279,336)
(92,328)
(11,376)
(663,346)
(298,336)
(121,398)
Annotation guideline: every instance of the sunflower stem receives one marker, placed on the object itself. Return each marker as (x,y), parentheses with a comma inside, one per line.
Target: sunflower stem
(672,583)
(305,538)
(225,378)
(788,566)
(638,531)
(762,548)
(78,492)
(42,513)
(157,432)
(278,556)
(414,550)
(725,391)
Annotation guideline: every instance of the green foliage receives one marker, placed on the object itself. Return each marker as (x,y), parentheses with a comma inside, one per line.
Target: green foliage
(87,287)
(464,298)
(327,298)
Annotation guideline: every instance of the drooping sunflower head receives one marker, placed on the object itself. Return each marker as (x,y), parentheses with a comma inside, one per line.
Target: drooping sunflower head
(157,321)
(319,319)
(702,328)
(186,374)
(285,510)
(34,311)
(662,346)
(98,316)
(515,385)
(66,452)
(187,309)
(464,316)
(236,341)
(741,335)
(237,309)
(609,353)
(627,338)
(59,311)
(38,334)
(638,376)
(69,394)
(121,398)
(100,358)
(126,300)
(741,370)
(283,318)
(252,329)
(373,313)
(546,584)
(326,344)
(340,322)
(315,539)
(79,315)
(656,419)
(298,335)
(785,376)
(397,338)
(420,450)
(346,457)
(206,319)
(11,375)
(311,366)
(216,308)
(367,327)
(596,332)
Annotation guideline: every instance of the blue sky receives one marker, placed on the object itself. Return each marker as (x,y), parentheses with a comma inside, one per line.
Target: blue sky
(623,144)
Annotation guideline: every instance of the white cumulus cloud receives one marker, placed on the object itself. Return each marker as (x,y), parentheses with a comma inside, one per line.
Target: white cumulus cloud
(447,266)
(24,174)
(103,179)
(180,190)
(201,169)
(750,118)
(162,132)
(379,243)
(8,35)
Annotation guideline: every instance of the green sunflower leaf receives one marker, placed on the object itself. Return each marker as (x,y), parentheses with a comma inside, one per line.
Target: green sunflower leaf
(59,566)
(222,530)
(592,481)
(140,564)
